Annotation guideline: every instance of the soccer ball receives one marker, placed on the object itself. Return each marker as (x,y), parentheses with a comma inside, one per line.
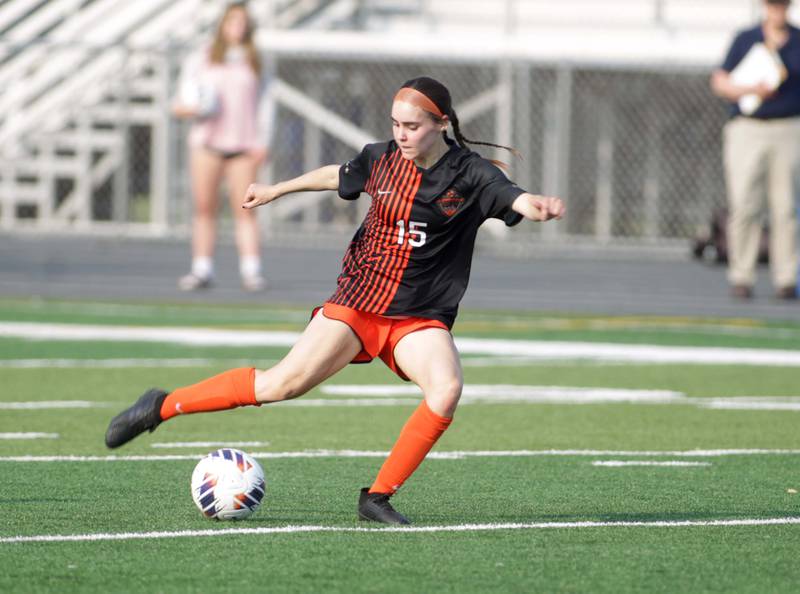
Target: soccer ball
(201,96)
(228,485)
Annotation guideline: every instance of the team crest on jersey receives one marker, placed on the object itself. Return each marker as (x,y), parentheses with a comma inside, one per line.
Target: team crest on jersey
(450,202)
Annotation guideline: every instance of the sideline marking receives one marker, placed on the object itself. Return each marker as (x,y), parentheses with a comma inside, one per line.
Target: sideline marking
(753,403)
(28,435)
(404,529)
(454,455)
(383,395)
(173,335)
(110,363)
(524,394)
(127,363)
(618,463)
(42,404)
(315,402)
(540,350)
(517,393)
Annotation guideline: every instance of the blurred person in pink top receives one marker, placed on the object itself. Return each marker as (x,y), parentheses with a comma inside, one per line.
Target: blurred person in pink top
(223,92)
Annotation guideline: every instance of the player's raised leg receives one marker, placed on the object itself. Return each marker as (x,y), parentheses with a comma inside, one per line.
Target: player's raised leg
(430,359)
(323,349)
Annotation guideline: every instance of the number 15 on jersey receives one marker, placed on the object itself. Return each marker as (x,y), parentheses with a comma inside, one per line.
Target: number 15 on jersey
(414,235)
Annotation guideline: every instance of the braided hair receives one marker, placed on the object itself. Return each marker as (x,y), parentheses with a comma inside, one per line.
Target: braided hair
(440,95)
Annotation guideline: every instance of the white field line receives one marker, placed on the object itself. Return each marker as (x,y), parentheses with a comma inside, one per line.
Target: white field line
(620,463)
(514,393)
(112,363)
(540,350)
(174,335)
(186,362)
(672,325)
(148,311)
(752,406)
(518,393)
(404,529)
(639,353)
(515,361)
(317,402)
(386,395)
(753,403)
(210,444)
(47,404)
(453,455)
(120,363)
(28,435)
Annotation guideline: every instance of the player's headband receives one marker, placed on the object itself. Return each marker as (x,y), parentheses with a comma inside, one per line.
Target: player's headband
(418,99)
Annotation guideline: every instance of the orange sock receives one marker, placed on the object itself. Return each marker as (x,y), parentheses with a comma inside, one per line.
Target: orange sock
(230,389)
(423,428)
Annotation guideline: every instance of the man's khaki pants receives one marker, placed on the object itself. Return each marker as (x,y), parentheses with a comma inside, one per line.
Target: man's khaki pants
(762,164)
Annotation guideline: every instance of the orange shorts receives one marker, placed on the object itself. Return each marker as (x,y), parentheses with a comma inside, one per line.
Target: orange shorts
(378,334)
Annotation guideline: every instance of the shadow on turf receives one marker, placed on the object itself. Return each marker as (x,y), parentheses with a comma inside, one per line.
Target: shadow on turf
(276,517)
(296,517)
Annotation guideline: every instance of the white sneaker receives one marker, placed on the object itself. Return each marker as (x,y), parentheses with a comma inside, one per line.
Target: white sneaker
(192,282)
(254,283)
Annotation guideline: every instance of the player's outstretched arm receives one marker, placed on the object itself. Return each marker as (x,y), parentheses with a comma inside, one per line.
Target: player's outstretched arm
(538,208)
(324,178)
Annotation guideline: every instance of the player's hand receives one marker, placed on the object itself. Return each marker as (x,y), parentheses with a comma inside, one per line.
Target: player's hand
(763,90)
(549,207)
(258,194)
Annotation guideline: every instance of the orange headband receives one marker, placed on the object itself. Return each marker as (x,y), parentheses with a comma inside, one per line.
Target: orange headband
(417,99)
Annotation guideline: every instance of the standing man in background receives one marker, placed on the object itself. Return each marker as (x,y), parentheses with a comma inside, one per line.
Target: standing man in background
(761,78)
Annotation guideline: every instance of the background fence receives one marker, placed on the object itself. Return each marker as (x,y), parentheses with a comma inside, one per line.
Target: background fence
(87,142)
(636,152)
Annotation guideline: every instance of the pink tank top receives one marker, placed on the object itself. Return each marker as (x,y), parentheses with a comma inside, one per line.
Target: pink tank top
(241,118)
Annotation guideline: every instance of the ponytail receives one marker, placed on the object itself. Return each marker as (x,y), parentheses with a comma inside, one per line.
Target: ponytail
(463,140)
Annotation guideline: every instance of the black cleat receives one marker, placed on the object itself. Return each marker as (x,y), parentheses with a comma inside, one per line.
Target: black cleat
(144,415)
(375,507)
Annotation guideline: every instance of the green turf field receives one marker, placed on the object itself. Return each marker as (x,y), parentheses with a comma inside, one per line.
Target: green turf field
(526,500)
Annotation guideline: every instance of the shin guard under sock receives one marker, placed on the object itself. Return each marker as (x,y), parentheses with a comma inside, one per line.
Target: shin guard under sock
(229,389)
(423,428)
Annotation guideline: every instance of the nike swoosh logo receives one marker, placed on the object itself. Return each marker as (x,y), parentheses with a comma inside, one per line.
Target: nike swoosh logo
(384,192)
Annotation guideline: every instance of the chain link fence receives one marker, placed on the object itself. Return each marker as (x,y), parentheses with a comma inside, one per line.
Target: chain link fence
(634,149)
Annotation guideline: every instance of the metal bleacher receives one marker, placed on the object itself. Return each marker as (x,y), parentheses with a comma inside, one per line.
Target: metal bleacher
(75,75)
(60,69)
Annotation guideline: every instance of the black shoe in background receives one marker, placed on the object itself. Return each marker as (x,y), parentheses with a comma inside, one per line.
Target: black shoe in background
(375,507)
(144,415)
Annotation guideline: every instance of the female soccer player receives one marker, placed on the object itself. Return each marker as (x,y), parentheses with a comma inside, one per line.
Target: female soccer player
(397,296)
(224,93)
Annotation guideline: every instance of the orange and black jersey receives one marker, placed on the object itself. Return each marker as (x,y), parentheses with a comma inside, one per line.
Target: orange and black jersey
(413,252)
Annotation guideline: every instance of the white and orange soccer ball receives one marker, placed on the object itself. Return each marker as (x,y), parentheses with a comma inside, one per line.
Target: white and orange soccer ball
(228,484)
